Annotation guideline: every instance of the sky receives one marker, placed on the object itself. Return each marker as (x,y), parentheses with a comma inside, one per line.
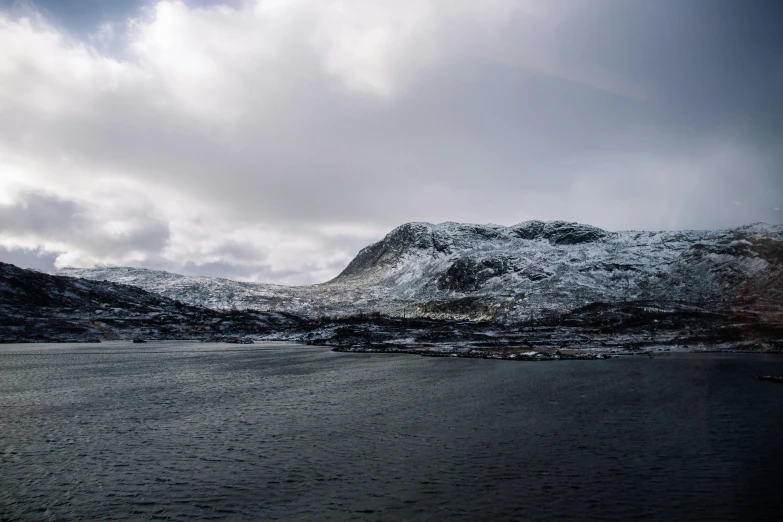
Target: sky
(270,140)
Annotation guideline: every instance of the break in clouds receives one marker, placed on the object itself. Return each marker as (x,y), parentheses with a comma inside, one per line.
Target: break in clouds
(271,140)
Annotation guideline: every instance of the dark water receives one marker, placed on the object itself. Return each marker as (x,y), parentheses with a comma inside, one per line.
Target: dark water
(188,431)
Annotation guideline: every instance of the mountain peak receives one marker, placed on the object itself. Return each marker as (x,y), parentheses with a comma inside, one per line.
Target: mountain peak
(445,238)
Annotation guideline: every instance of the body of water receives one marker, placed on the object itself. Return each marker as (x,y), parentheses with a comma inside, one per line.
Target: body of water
(201,431)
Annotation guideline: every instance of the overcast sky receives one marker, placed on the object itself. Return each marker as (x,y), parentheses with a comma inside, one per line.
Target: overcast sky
(270,140)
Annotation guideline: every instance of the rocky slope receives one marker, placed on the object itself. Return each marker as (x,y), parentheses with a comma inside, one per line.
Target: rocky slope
(42,307)
(509,274)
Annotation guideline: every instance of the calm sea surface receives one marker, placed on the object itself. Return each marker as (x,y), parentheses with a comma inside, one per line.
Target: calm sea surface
(195,431)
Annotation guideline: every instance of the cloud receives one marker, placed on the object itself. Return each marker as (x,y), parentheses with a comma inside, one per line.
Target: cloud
(28,258)
(47,72)
(84,233)
(271,140)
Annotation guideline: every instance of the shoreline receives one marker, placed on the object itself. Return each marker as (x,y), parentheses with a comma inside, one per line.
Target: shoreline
(527,354)
(524,353)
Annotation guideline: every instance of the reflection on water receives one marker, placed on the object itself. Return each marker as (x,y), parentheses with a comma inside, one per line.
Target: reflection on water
(194,431)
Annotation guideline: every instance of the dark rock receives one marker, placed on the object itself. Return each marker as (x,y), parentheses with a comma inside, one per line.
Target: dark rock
(562,233)
(238,340)
(529,229)
(472,307)
(771,378)
(559,232)
(468,274)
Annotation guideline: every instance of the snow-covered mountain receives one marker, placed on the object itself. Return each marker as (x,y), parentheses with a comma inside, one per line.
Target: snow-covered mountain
(465,271)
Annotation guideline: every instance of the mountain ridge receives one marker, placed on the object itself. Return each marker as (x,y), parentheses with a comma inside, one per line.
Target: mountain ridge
(467,271)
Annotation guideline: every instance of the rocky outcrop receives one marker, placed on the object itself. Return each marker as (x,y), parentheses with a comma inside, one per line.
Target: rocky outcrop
(468,274)
(412,236)
(559,232)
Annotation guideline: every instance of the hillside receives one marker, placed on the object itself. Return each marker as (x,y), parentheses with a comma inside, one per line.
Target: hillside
(490,272)
(40,307)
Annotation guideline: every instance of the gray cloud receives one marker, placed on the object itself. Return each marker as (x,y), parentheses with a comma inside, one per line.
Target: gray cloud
(54,220)
(35,259)
(84,16)
(256,131)
(39,213)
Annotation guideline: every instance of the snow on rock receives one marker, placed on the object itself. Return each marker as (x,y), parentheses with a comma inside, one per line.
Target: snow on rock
(35,306)
(467,271)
